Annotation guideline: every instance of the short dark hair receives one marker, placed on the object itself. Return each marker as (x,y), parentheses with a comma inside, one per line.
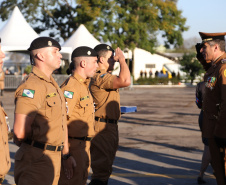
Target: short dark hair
(102,53)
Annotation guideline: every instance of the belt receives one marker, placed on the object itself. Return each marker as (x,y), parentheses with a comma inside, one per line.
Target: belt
(81,138)
(44,146)
(106,120)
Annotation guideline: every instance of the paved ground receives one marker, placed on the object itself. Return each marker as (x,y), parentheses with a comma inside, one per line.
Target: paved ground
(159,145)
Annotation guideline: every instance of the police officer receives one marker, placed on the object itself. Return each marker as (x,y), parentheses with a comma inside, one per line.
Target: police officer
(200,93)
(80,120)
(105,91)
(40,118)
(4,147)
(214,107)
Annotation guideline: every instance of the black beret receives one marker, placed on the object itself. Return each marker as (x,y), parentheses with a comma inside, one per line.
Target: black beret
(83,51)
(43,42)
(211,36)
(100,47)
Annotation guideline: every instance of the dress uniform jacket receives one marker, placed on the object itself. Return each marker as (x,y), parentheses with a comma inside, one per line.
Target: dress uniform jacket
(40,97)
(107,106)
(80,124)
(214,113)
(214,104)
(4,147)
(2,78)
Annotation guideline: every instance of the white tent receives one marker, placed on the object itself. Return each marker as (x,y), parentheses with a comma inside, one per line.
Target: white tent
(145,61)
(17,34)
(81,37)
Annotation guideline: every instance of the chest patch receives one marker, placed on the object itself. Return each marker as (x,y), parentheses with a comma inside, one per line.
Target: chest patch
(210,83)
(50,95)
(84,98)
(68,94)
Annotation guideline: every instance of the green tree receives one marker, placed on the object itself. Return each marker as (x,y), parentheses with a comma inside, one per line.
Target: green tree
(61,17)
(136,23)
(28,69)
(191,66)
(123,23)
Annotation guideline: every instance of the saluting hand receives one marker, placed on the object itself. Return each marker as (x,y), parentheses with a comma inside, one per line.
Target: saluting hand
(119,55)
(69,166)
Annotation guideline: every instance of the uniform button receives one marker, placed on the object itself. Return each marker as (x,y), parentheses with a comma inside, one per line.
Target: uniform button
(86,104)
(54,103)
(5,143)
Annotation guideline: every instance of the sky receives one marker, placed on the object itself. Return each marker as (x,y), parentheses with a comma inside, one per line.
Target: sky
(202,15)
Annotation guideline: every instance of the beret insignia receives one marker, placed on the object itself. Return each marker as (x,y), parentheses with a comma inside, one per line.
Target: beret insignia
(89,53)
(108,47)
(50,43)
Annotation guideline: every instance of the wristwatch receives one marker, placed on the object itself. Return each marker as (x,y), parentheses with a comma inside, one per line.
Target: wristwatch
(66,156)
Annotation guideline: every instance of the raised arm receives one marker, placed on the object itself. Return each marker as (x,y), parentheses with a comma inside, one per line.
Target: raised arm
(124,79)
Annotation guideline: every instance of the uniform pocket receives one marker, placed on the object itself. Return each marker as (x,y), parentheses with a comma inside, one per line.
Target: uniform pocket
(50,104)
(82,107)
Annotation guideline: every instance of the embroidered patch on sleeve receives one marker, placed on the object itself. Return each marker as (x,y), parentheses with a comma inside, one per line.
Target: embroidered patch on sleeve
(28,93)
(68,94)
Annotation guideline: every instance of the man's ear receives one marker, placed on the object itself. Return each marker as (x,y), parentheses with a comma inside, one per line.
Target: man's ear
(101,60)
(83,63)
(40,56)
(216,47)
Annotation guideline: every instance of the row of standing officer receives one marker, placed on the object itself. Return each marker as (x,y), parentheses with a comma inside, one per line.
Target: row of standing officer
(212,50)
(46,131)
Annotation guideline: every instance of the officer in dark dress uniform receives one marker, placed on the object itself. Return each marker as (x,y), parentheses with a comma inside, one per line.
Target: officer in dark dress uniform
(214,107)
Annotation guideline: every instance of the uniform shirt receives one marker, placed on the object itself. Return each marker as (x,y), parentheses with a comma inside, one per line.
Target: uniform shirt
(80,106)
(107,99)
(214,104)
(4,147)
(41,97)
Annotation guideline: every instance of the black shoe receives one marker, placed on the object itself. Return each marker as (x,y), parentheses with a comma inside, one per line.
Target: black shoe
(200,180)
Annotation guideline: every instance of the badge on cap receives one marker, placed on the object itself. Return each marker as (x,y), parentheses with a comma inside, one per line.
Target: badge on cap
(50,43)
(88,52)
(28,93)
(108,47)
